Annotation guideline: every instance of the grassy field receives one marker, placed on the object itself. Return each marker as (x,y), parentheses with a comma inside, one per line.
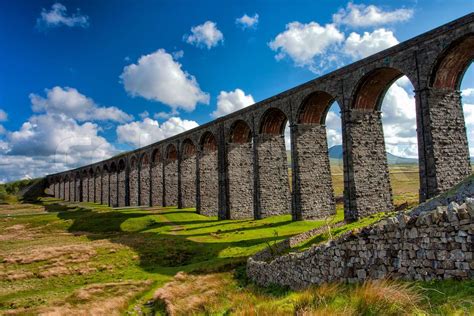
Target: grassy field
(70,259)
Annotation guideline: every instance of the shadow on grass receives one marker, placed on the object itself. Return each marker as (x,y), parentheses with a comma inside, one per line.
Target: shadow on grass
(162,250)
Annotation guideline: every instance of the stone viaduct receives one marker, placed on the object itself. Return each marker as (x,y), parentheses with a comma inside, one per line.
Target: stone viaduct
(236,166)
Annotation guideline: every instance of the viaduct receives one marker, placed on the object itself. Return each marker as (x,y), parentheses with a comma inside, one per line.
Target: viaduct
(236,166)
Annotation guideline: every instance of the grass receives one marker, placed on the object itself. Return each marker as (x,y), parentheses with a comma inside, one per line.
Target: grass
(83,258)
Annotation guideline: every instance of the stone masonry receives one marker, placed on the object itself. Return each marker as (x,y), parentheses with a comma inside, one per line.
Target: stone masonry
(208,182)
(273,186)
(370,191)
(133,180)
(98,188)
(145,182)
(171,183)
(240,170)
(188,181)
(105,188)
(91,188)
(313,172)
(434,245)
(434,63)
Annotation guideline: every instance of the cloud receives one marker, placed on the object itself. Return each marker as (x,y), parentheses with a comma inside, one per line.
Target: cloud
(247,21)
(303,42)
(72,103)
(360,15)
(469,120)
(205,35)
(148,131)
(228,102)
(159,77)
(57,16)
(333,128)
(3,116)
(399,120)
(359,47)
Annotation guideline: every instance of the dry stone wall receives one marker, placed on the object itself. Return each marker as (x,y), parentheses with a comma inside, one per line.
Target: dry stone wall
(313,173)
(371,191)
(240,173)
(209,183)
(273,186)
(188,181)
(433,245)
(171,183)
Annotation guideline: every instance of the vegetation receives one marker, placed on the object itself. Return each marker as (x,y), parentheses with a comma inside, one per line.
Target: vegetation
(77,258)
(10,190)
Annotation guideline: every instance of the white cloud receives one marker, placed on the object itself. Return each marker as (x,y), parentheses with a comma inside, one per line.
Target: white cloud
(205,35)
(358,46)
(61,138)
(228,102)
(72,103)
(333,128)
(57,16)
(469,120)
(3,116)
(246,21)
(399,120)
(148,131)
(160,78)
(360,15)
(303,42)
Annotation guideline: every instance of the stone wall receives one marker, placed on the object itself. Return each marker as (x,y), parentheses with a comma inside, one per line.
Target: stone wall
(78,189)
(240,173)
(369,189)
(133,183)
(85,189)
(433,245)
(113,189)
(188,181)
(66,190)
(445,155)
(209,183)
(315,195)
(98,188)
(273,186)
(122,188)
(145,184)
(72,190)
(171,183)
(105,188)
(91,188)
(157,184)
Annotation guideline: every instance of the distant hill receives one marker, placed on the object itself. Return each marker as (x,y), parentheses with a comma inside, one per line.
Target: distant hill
(335,153)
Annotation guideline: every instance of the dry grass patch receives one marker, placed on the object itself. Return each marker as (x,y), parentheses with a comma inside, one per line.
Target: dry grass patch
(96,299)
(19,232)
(189,294)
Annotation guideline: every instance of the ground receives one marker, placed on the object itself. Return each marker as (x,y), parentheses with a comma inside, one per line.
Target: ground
(65,258)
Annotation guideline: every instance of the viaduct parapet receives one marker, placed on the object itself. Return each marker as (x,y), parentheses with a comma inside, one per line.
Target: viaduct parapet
(236,166)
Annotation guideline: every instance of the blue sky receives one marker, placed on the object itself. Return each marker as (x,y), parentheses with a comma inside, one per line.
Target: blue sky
(81,80)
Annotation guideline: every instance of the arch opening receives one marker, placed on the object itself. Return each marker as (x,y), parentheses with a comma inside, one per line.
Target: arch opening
(208,142)
(273,122)
(171,153)
(240,133)
(188,148)
(314,108)
(449,70)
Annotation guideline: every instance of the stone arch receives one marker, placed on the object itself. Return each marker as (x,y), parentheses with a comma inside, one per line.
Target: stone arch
(188,173)
(314,108)
(240,132)
(91,185)
(106,187)
(144,168)
(372,88)
(208,198)
(208,142)
(313,193)
(273,122)
(156,189)
(122,194)
(98,185)
(171,176)
(134,181)
(452,63)
(240,171)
